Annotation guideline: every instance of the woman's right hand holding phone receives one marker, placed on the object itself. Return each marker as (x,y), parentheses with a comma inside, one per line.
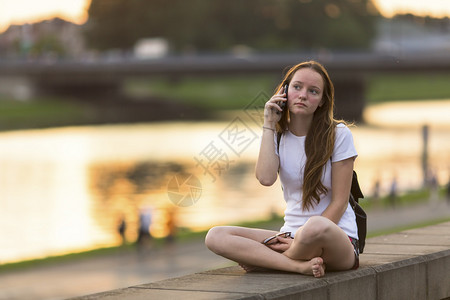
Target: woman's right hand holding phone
(273,110)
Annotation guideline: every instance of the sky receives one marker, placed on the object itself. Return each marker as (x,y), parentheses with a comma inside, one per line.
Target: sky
(29,11)
(435,8)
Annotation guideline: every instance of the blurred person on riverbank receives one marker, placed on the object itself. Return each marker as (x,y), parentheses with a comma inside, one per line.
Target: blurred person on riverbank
(320,230)
(447,191)
(393,192)
(376,189)
(433,187)
(171,225)
(144,235)
(121,229)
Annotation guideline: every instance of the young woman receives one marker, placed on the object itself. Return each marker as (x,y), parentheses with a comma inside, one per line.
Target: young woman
(314,159)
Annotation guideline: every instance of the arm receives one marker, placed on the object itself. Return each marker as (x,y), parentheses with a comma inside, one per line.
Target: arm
(268,162)
(341,181)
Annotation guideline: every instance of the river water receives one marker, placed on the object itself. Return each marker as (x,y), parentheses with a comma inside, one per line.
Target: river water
(66,189)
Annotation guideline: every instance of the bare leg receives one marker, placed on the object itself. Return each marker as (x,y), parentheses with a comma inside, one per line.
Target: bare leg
(321,238)
(243,245)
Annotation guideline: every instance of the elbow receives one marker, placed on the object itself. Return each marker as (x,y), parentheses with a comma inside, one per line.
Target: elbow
(266,180)
(266,174)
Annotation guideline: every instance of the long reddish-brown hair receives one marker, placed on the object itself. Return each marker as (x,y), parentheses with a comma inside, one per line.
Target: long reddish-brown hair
(319,141)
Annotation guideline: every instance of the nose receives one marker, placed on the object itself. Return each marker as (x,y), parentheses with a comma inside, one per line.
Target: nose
(302,93)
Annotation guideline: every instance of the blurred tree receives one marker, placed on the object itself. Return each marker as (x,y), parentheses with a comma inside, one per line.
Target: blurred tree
(112,24)
(218,25)
(48,45)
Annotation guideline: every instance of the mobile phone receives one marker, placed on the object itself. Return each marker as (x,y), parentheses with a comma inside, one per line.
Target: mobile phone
(282,104)
(271,238)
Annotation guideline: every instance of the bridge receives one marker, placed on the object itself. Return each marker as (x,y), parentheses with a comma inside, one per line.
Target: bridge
(88,79)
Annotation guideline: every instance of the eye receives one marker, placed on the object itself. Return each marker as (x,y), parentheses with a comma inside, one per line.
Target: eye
(314,92)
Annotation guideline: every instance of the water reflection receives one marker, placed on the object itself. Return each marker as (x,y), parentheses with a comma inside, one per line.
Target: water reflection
(66,189)
(121,190)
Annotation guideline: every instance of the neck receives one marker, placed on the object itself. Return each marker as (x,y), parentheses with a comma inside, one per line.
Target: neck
(299,126)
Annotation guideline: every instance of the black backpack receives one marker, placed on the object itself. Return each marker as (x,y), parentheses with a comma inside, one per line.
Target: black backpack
(361,216)
(355,195)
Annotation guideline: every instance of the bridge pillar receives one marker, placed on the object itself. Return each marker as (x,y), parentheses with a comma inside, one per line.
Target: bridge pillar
(349,97)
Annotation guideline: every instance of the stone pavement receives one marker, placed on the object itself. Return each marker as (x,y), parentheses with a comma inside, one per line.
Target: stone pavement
(100,273)
(128,268)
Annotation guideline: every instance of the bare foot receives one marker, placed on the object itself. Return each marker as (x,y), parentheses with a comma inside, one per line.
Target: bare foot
(317,267)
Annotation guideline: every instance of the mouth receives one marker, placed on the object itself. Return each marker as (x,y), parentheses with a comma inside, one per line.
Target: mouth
(301,104)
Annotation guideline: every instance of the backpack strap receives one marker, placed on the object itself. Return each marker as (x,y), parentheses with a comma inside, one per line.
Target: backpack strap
(355,189)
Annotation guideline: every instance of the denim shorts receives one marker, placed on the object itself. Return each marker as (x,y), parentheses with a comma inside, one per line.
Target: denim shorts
(355,244)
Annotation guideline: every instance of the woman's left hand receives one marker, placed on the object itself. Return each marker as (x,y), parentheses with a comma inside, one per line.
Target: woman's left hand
(281,244)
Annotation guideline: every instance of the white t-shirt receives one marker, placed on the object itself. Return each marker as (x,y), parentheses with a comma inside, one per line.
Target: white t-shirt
(292,163)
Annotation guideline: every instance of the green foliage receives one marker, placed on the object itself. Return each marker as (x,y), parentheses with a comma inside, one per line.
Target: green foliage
(211,93)
(382,88)
(48,44)
(38,113)
(408,198)
(221,24)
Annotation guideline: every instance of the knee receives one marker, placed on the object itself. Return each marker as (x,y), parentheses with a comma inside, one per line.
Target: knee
(315,229)
(214,237)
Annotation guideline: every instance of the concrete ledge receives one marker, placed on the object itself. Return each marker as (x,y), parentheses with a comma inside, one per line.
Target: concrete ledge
(412,264)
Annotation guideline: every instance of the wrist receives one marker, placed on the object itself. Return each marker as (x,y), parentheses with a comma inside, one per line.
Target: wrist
(267,128)
(272,126)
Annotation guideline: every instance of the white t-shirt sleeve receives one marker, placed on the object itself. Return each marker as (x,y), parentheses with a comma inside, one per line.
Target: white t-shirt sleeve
(277,147)
(344,146)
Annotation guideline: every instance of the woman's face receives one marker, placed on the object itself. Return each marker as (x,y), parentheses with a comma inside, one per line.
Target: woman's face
(305,92)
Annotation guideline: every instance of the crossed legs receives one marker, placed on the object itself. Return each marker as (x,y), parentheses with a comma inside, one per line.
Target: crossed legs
(318,243)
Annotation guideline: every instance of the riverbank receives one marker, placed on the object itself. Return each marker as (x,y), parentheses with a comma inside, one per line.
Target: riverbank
(161,99)
(185,237)
(376,208)
(49,112)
